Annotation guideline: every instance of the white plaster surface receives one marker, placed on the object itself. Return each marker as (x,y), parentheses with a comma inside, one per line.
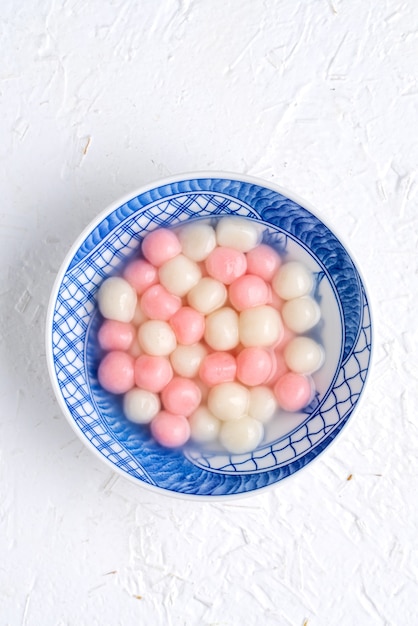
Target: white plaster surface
(100,97)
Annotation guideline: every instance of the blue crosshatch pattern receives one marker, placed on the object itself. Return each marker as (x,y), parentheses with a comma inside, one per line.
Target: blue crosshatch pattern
(75,321)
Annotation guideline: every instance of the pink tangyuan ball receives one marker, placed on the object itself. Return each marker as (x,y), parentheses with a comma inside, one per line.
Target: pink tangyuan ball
(114,335)
(160,245)
(152,373)
(293,391)
(263,261)
(158,304)
(248,291)
(116,372)
(188,325)
(226,264)
(170,429)
(181,396)
(254,366)
(218,367)
(140,275)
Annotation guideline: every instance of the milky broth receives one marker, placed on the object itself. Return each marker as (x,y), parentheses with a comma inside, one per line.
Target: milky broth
(211,300)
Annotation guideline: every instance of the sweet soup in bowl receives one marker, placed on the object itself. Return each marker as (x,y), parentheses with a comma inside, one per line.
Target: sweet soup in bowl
(208,336)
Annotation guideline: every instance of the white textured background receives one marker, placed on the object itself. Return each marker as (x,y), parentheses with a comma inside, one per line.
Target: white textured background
(100,97)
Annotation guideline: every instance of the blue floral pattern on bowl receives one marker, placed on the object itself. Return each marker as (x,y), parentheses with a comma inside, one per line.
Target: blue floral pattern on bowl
(97,416)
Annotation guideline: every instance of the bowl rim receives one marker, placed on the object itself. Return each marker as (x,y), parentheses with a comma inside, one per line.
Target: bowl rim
(160,182)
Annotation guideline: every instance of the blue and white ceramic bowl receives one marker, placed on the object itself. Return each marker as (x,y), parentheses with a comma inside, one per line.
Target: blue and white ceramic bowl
(293,440)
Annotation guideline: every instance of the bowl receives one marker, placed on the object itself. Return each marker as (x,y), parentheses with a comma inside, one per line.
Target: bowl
(292,441)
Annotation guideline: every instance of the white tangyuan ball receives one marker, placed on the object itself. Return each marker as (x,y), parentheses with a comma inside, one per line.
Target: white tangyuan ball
(156,338)
(229,401)
(239,233)
(241,436)
(141,406)
(197,240)
(221,331)
(117,299)
(303,355)
(186,360)
(292,280)
(260,326)
(208,295)
(301,314)
(204,425)
(263,404)
(179,275)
